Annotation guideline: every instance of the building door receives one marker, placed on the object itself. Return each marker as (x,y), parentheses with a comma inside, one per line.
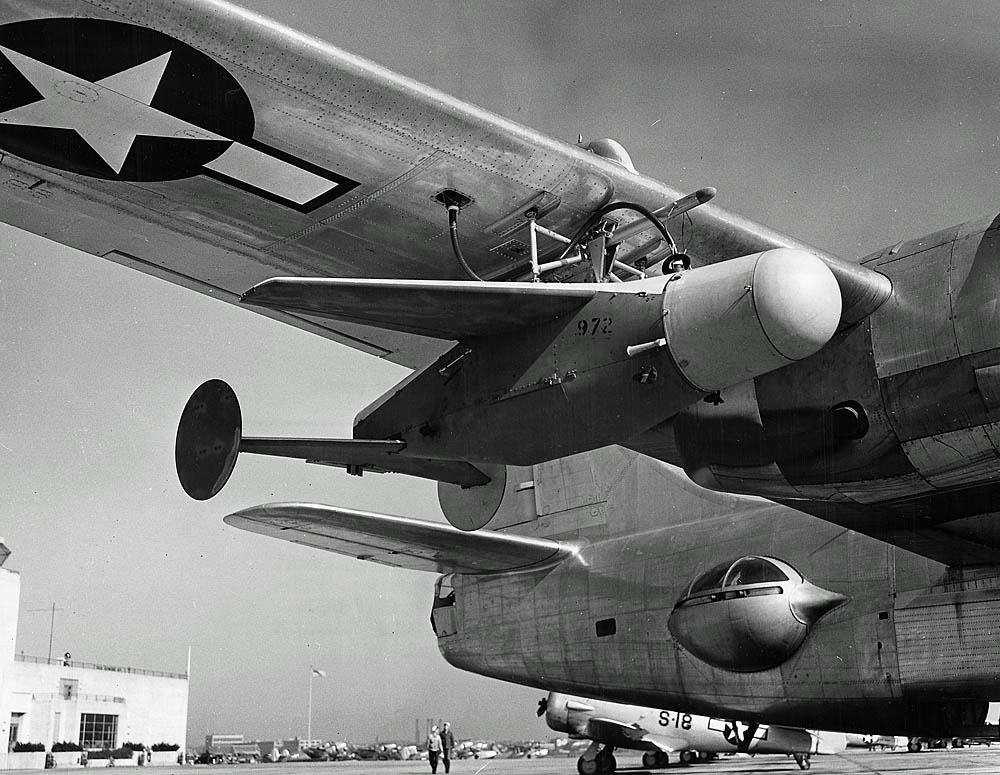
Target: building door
(15,727)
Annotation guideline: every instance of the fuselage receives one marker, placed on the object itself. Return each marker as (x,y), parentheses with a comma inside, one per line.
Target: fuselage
(892,658)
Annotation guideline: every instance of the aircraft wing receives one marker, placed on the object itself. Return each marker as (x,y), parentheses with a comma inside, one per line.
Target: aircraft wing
(399,541)
(211,147)
(623,735)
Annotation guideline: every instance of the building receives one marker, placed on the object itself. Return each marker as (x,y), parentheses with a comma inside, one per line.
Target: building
(96,706)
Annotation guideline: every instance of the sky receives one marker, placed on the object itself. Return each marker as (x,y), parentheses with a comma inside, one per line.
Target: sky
(849,125)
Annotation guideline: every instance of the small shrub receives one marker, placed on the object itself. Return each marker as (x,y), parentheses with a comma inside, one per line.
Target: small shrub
(133,746)
(104,753)
(28,747)
(122,753)
(66,746)
(166,747)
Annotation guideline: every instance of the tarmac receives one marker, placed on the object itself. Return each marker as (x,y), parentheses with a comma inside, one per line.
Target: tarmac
(963,761)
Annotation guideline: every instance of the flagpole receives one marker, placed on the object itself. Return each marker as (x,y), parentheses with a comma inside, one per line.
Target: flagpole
(309,733)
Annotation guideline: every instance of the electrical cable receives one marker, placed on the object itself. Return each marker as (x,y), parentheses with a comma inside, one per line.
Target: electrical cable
(453,230)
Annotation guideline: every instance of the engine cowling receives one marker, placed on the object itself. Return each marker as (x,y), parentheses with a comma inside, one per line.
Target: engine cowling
(901,406)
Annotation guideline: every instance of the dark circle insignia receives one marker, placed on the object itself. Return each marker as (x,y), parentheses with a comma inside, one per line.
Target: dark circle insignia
(202,106)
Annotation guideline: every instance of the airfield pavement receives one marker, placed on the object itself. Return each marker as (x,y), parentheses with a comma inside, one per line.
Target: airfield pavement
(975,759)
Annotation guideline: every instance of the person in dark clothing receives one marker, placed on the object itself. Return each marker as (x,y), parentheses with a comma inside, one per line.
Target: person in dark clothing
(447,745)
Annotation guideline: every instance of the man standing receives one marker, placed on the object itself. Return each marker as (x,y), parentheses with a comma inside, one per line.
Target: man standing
(447,744)
(434,748)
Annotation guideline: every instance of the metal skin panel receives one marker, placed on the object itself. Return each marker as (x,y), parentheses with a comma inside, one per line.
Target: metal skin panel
(945,635)
(920,332)
(957,458)
(399,141)
(845,675)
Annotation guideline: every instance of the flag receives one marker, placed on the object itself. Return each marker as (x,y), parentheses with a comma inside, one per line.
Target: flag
(318,673)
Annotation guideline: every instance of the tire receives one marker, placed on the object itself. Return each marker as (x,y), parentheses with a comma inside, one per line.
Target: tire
(586,766)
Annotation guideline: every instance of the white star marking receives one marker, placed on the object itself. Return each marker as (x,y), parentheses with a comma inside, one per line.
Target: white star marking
(108,114)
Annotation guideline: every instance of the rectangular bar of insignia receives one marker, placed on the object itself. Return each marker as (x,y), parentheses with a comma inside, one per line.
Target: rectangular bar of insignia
(268,173)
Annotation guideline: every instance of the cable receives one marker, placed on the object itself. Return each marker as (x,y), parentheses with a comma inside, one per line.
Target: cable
(608,208)
(453,230)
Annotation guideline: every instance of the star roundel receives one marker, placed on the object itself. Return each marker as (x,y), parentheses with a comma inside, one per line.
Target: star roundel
(115,101)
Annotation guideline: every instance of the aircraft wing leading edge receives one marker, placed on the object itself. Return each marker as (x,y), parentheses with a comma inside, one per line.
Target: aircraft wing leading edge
(399,541)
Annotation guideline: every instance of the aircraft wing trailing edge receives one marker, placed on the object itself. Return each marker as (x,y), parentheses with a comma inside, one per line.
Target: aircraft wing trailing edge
(399,541)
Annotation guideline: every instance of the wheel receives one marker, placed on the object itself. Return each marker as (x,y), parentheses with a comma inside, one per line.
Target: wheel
(662,760)
(586,766)
(650,760)
(913,745)
(606,765)
(687,757)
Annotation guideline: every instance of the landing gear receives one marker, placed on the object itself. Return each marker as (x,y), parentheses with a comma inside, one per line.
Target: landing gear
(688,757)
(914,745)
(606,762)
(802,759)
(654,760)
(594,762)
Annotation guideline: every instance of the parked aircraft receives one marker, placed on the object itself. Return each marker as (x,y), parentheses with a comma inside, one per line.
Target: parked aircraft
(708,467)
(662,733)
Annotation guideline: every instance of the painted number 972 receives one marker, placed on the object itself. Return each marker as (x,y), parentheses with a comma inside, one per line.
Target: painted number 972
(679,720)
(593,326)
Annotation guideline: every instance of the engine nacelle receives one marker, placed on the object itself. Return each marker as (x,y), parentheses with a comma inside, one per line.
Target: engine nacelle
(750,614)
(903,405)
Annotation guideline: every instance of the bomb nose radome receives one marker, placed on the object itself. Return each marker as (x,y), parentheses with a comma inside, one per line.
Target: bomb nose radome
(798,301)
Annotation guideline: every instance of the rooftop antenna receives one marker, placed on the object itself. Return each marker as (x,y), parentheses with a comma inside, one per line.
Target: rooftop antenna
(52,624)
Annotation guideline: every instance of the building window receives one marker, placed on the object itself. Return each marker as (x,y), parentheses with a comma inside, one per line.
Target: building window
(98,730)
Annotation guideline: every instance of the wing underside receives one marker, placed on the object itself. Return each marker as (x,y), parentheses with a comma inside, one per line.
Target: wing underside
(445,310)
(398,541)
(259,152)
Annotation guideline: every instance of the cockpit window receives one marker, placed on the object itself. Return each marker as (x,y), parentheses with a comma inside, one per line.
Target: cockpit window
(710,579)
(753,570)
